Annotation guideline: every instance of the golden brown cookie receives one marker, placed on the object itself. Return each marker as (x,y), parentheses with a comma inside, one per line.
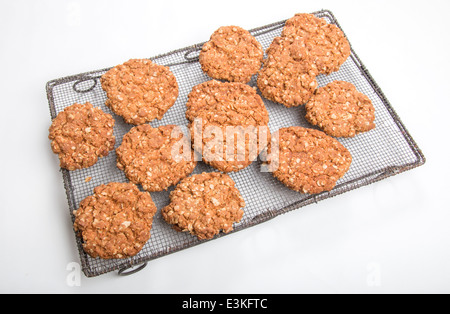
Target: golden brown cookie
(140,90)
(308,161)
(80,135)
(115,221)
(288,75)
(340,110)
(155,158)
(326,42)
(231,54)
(204,205)
(228,124)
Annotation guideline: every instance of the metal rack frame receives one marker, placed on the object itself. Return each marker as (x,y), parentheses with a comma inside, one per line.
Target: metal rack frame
(184,62)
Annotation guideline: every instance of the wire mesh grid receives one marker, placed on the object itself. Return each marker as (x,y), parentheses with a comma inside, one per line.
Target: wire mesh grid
(380,153)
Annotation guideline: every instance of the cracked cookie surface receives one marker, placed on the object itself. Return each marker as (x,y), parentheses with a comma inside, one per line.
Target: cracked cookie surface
(115,221)
(233,124)
(309,161)
(155,158)
(231,54)
(288,75)
(139,90)
(340,110)
(326,42)
(204,205)
(80,135)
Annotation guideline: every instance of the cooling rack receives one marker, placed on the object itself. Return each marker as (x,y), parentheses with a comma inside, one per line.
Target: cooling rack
(385,151)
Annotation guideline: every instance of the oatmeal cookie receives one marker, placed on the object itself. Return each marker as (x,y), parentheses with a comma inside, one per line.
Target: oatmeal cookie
(115,221)
(204,204)
(140,90)
(326,42)
(155,158)
(228,124)
(309,161)
(80,135)
(231,54)
(340,110)
(288,75)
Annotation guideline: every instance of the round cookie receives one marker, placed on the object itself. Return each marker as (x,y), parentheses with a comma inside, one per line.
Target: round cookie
(204,205)
(340,110)
(288,75)
(231,54)
(140,90)
(115,221)
(228,124)
(326,42)
(308,161)
(80,135)
(155,158)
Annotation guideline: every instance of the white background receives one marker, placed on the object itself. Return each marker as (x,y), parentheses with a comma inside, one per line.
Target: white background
(389,237)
